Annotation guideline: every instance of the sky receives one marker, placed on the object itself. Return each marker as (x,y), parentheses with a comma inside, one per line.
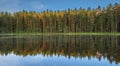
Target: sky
(41,5)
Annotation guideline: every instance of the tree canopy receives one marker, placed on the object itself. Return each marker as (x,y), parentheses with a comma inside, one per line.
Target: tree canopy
(71,20)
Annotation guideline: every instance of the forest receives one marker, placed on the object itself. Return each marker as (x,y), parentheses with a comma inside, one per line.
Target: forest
(100,19)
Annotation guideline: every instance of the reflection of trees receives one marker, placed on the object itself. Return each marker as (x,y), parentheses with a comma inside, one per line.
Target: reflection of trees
(76,46)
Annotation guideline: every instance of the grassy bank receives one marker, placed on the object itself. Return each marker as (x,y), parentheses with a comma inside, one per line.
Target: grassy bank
(10,34)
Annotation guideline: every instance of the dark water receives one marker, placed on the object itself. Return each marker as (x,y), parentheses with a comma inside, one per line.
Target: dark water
(60,51)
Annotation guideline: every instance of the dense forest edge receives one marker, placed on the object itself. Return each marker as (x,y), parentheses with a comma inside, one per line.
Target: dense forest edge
(98,20)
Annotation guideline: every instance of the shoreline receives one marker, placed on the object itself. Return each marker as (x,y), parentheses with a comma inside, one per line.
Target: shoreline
(89,33)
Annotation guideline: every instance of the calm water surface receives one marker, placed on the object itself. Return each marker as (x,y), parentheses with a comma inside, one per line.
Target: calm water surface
(60,50)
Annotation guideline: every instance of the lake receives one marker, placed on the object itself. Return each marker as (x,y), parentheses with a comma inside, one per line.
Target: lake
(60,50)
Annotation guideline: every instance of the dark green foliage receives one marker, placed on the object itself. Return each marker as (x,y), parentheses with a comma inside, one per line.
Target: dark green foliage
(71,20)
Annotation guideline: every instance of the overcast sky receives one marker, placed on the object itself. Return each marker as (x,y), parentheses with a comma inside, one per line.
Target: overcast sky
(40,5)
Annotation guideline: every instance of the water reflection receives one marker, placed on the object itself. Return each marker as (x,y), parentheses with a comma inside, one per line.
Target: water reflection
(99,47)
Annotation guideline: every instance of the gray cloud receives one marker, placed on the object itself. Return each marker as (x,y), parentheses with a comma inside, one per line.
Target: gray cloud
(8,5)
(18,5)
(36,5)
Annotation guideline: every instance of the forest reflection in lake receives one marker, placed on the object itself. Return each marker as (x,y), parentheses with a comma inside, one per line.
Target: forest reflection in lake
(69,47)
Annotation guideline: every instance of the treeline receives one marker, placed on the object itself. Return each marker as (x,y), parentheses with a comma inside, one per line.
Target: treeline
(107,47)
(71,20)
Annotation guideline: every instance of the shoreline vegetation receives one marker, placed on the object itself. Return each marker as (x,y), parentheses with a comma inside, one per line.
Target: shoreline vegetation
(69,21)
(32,34)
